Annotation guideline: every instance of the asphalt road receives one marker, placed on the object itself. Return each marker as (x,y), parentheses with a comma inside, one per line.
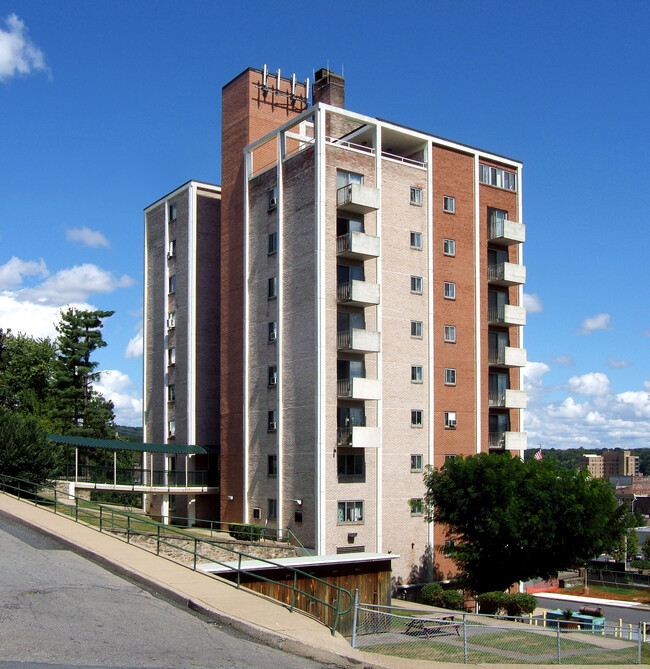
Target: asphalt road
(58,610)
(612,613)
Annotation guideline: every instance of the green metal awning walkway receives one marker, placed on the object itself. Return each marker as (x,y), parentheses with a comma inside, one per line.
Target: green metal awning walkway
(116,445)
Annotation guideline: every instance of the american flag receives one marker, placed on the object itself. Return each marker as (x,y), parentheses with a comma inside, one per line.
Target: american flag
(538,455)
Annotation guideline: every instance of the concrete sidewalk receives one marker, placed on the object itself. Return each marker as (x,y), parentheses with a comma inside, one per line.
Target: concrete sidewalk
(262,619)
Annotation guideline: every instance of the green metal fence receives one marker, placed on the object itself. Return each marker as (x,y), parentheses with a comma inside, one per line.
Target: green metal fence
(181,546)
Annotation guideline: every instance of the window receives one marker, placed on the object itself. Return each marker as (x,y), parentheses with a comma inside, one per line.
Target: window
(273,375)
(450,544)
(172,283)
(350,464)
(350,512)
(273,243)
(171,428)
(450,376)
(416,240)
(344,178)
(272,465)
(449,247)
(416,418)
(416,373)
(273,198)
(273,331)
(450,457)
(273,288)
(416,506)
(416,462)
(450,290)
(171,392)
(450,419)
(171,355)
(171,319)
(416,196)
(416,329)
(257,513)
(416,284)
(450,333)
(171,252)
(297,516)
(272,509)
(495,176)
(449,204)
(172,211)
(273,421)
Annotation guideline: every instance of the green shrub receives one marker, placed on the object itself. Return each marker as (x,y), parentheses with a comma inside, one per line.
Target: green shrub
(244,532)
(519,604)
(453,599)
(491,603)
(432,594)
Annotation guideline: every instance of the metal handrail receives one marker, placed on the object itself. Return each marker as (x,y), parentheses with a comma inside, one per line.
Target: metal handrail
(107,519)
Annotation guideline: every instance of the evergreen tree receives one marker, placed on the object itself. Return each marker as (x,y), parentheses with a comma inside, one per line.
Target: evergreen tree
(77,408)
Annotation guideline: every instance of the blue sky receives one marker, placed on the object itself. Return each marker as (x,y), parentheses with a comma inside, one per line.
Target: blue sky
(107,106)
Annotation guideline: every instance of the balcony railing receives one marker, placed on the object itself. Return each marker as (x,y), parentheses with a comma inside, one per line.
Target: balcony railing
(509,399)
(359,388)
(357,245)
(507,356)
(358,293)
(509,441)
(507,314)
(136,476)
(506,232)
(357,198)
(358,436)
(507,274)
(361,341)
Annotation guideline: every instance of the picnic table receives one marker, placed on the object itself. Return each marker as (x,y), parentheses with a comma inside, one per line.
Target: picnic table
(429,626)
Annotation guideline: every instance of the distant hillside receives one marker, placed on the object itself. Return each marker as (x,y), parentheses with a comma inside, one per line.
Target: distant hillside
(129,433)
(570,457)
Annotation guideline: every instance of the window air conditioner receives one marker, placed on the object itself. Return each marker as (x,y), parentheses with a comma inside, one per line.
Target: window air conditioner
(452,423)
(273,426)
(273,336)
(273,381)
(273,202)
(171,322)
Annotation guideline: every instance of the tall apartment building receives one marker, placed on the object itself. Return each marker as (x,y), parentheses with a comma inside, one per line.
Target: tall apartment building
(611,463)
(370,318)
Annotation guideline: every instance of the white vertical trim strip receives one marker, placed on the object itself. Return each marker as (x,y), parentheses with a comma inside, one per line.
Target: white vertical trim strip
(320,324)
(520,249)
(431,331)
(165,290)
(191,309)
(477,303)
(280,303)
(145,330)
(248,160)
(379,507)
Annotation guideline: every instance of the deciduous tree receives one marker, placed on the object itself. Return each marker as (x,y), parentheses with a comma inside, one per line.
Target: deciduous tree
(514,520)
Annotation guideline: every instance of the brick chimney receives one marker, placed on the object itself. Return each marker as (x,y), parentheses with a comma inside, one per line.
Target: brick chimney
(329,88)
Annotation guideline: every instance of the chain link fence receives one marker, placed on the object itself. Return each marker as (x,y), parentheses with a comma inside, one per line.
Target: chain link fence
(444,636)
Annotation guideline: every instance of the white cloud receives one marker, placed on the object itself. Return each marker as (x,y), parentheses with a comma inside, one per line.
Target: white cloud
(75,284)
(598,322)
(12,272)
(564,360)
(533,373)
(87,237)
(594,384)
(618,364)
(19,56)
(119,389)
(532,303)
(135,347)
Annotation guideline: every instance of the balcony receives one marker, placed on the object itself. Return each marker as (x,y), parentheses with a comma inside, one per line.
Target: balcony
(358,341)
(357,198)
(507,356)
(358,437)
(359,389)
(508,399)
(507,314)
(357,245)
(507,274)
(358,293)
(509,441)
(506,233)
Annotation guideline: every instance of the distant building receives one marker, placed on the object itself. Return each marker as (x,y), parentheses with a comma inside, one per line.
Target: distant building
(611,463)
